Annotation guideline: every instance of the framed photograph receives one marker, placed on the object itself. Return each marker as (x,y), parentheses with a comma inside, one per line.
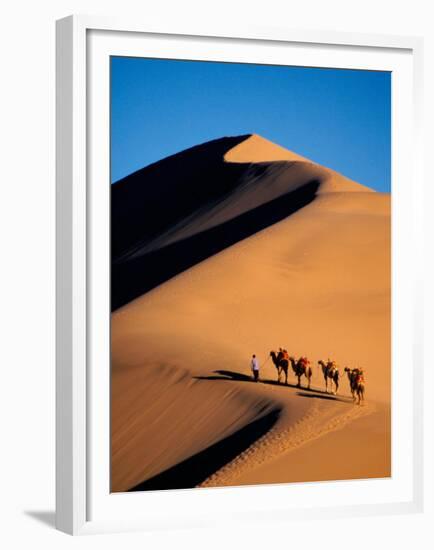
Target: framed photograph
(238,219)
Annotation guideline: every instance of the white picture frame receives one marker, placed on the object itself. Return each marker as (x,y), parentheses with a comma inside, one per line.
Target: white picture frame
(84,45)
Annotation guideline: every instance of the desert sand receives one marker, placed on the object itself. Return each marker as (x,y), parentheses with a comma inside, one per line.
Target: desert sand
(285,253)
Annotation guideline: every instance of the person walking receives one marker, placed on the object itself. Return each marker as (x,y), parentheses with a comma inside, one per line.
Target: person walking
(255,368)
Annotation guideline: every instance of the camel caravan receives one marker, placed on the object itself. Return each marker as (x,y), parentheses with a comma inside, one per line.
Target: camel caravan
(301,367)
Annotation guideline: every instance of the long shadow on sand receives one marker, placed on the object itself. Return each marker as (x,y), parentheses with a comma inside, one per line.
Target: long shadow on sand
(323,396)
(194,470)
(240,377)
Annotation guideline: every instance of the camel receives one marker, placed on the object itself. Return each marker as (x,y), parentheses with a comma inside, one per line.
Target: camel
(351,373)
(300,367)
(360,388)
(329,370)
(357,384)
(281,365)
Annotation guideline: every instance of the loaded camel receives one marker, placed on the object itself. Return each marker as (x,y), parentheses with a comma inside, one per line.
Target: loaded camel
(301,367)
(281,364)
(330,370)
(357,383)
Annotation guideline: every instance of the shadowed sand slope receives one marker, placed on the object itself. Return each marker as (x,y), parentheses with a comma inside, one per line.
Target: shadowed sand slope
(152,199)
(314,278)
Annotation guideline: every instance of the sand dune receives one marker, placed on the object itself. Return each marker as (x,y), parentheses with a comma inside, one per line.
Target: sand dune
(173,214)
(289,254)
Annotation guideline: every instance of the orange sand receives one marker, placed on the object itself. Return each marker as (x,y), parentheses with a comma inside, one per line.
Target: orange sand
(317,283)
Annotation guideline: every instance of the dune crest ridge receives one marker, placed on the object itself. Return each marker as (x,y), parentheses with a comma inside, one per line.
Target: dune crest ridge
(256,148)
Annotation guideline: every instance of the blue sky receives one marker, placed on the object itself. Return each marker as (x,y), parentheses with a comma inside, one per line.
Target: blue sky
(338,118)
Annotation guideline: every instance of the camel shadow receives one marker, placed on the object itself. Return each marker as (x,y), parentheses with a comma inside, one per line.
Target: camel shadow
(227,375)
(240,377)
(323,396)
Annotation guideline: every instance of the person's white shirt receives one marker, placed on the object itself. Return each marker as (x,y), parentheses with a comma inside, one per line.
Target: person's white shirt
(255,363)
